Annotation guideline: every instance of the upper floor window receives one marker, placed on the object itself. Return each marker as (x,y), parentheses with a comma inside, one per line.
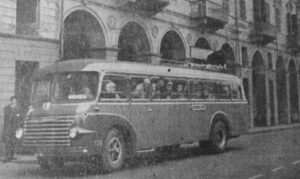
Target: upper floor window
(292,24)
(226,4)
(261,11)
(27,16)
(244,56)
(243,9)
(278,18)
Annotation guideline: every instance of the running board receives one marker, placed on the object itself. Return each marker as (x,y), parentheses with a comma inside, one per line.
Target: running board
(146,150)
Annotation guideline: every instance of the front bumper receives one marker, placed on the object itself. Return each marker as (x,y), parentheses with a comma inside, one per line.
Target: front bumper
(82,146)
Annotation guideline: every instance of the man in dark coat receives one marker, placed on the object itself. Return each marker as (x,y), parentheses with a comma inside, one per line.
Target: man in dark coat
(12,120)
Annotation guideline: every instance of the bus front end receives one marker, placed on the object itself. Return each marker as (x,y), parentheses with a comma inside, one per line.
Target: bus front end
(56,126)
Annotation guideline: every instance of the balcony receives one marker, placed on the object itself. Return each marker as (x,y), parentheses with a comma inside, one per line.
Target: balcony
(150,7)
(293,43)
(262,33)
(209,15)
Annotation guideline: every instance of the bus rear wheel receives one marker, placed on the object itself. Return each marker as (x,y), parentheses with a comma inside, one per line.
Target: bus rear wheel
(114,154)
(218,137)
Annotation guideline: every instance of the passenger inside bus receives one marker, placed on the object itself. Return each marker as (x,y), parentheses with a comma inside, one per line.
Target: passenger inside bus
(142,90)
(155,93)
(180,92)
(169,91)
(87,93)
(161,86)
(209,91)
(111,90)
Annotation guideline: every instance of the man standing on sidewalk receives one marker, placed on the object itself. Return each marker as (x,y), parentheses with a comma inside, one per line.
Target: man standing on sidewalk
(12,120)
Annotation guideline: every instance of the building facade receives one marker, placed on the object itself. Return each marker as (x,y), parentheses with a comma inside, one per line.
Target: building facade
(259,40)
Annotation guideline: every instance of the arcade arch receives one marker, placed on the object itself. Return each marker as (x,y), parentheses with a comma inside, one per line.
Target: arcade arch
(83,36)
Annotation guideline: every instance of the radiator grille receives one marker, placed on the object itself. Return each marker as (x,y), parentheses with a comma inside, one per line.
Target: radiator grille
(47,132)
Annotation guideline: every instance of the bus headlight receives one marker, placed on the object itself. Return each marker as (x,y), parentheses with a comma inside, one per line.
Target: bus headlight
(19,133)
(73,132)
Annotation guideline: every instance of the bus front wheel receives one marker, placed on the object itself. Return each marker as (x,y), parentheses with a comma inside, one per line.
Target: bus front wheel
(114,151)
(218,137)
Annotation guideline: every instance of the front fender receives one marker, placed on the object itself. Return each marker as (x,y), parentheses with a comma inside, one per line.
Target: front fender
(103,122)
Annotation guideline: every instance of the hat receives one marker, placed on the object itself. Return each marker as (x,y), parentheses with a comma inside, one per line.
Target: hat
(147,80)
(169,83)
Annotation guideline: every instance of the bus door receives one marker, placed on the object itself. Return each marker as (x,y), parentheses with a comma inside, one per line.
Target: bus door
(139,111)
(181,110)
(202,95)
(114,95)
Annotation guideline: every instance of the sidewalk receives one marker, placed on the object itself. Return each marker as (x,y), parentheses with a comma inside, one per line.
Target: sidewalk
(272,128)
(31,159)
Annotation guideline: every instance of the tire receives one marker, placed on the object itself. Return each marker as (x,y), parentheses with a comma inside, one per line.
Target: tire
(50,163)
(218,137)
(114,151)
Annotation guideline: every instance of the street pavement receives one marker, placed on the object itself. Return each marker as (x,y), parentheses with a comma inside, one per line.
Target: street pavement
(273,154)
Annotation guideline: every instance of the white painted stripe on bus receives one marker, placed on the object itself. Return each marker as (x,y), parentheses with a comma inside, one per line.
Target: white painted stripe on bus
(107,114)
(146,150)
(167,103)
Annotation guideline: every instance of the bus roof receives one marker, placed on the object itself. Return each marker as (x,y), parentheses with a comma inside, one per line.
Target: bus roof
(139,68)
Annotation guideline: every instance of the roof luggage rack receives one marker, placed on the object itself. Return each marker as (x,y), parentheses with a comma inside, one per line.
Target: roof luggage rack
(197,66)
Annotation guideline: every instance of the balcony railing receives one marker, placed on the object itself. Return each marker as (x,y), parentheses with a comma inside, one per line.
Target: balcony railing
(293,43)
(262,33)
(150,7)
(210,15)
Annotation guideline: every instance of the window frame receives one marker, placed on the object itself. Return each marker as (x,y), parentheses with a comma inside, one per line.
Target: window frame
(100,99)
(20,30)
(129,90)
(243,12)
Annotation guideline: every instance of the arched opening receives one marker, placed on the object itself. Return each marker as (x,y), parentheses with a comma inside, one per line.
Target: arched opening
(281,92)
(259,90)
(83,36)
(200,52)
(229,57)
(133,43)
(293,92)
(172,47)
(202,43)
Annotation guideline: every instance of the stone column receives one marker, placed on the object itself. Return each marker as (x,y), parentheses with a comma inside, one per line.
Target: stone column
(298,88)
(251,110)
(111,54)
(288,97)
(268,103)
(275,99)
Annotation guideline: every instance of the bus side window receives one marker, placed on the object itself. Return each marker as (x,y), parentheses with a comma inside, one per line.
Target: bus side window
(224,90)
(196,89)
(210,90)
(140,87)
(236,92)
(114,87)
(179,89)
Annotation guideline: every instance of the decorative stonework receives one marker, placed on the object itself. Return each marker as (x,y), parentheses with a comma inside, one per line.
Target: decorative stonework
(112,22)
(154,31)
(84,2)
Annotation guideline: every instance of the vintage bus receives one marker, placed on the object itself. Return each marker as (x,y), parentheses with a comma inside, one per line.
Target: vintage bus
(107,112)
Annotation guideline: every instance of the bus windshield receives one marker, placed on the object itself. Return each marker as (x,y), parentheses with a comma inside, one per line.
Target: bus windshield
(67,87)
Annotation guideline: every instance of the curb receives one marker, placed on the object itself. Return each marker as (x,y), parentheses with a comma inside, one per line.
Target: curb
(257,130)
